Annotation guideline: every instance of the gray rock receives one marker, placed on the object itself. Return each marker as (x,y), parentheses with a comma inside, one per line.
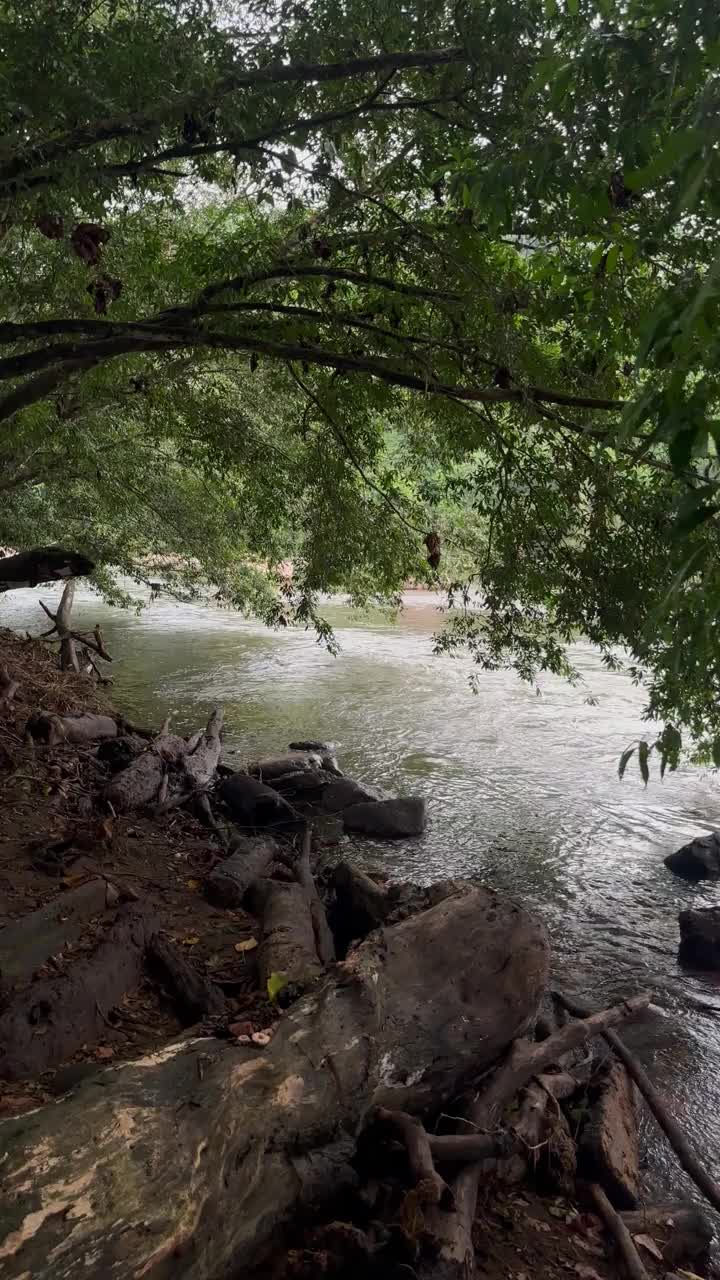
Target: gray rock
(253,804)
(345,792)
(387,819)
(697,860)
(700,938)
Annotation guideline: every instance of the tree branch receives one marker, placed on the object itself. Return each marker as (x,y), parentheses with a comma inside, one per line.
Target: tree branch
(40,154)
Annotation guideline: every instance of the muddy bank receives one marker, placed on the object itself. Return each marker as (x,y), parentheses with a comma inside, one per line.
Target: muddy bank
(328,1057)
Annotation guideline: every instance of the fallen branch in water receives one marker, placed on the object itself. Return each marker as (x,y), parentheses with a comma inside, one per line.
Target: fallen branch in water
(670,1127)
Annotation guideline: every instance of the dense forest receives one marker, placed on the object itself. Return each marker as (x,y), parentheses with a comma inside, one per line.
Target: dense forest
(423,293)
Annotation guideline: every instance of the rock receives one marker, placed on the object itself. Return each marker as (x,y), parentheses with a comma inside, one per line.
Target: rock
(608,1151)
(387,819)
(700,938)
(344,792)
(252,803)
(697,860)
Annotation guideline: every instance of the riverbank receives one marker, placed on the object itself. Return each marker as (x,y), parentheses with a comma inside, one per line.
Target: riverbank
(56,841)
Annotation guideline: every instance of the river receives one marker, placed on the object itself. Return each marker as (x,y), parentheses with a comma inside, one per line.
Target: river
(522,790)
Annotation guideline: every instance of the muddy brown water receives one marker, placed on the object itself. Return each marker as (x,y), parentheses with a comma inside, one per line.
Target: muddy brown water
(522,790)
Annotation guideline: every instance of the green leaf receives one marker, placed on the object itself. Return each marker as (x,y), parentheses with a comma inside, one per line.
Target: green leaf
(716,753)
(681,447)
(612,259)
(275,984)
(683,144)
(550,9)
(573,8)
(624,761)
(643,753)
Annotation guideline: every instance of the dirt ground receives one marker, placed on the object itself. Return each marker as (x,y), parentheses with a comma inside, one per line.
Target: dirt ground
(50,794)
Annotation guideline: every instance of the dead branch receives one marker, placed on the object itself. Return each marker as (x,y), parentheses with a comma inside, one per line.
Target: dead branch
(412,1132)
(324,940)
(670,1127)
(619,1232)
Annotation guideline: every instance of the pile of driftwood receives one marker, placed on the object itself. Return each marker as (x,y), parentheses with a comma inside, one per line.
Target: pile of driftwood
(417,1053)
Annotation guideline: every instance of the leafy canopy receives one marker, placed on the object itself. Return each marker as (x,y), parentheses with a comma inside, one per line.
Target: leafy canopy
(396,291)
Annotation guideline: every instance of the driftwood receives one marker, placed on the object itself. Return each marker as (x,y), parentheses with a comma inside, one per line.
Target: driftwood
(670,1127)
(54,1017)
(324,941)
(455,1256)
(74,729)
(681,1230)
(195,1159)
(433,1189)
(27,943)
(228,883)
(196,996)
(194,760)
(252,804)
(287,942)
(619,1232)
(362,905)
(69,639)
(609,1152)
(42,564)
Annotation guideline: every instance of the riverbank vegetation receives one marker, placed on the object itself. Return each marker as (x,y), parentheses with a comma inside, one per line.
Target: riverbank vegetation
(393,296)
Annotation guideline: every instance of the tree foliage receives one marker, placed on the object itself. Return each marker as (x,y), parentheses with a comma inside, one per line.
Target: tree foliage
(376,286)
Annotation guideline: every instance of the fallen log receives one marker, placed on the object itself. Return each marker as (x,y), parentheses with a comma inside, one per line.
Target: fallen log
(362,905)
(324,941)
(681,1230)
(253,804)
(200,762)
(196,996)
(27,943)
(287,942)
(140,783)
(619,1232)
(608,1151)
(53,1018)
(669,1125)
(74,729)
(195,1159)
(42,564)
(454,1257)
(228,883)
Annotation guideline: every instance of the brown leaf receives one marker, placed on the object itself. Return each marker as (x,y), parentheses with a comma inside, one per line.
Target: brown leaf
(647,1243)
(191,940)
(104,1051)
(192,884)
(248,944)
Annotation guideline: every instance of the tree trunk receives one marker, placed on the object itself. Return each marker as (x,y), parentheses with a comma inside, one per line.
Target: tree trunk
(54,1017)
(43,564)
(231,879)
(287,945)
(195,995)
(193,1160)
(78,729)
(324,941)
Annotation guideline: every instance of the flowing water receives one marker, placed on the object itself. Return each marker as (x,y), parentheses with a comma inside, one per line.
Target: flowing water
(522,790)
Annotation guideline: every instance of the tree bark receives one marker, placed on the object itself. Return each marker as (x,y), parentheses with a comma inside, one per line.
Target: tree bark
(53,1018)
(77,729)
(43,564)
(287,944)
(139,784)
(324,941)
(228,883)
(195,995)
(193,1160)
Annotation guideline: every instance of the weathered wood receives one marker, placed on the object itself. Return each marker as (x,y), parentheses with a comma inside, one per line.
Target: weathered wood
(54,1017)
(228,883)
(455,1255)
(200,763)
(252,804)
(362,905)
(287,942)
(139,784)
(42,564)
(619,1232)
(194,1160)
(74,729)
(324,941)
(609,1152)
(195,995)
(669,1125)
(681,1230)
(433,1189)
(27,943)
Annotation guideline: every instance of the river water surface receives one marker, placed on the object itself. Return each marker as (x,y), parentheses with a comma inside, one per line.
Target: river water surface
(522,790)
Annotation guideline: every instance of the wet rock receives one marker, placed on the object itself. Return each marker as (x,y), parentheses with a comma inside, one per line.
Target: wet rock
(700,938)
(387,819)
(697,860)
(344,792)
(252,803)
(608,1151)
